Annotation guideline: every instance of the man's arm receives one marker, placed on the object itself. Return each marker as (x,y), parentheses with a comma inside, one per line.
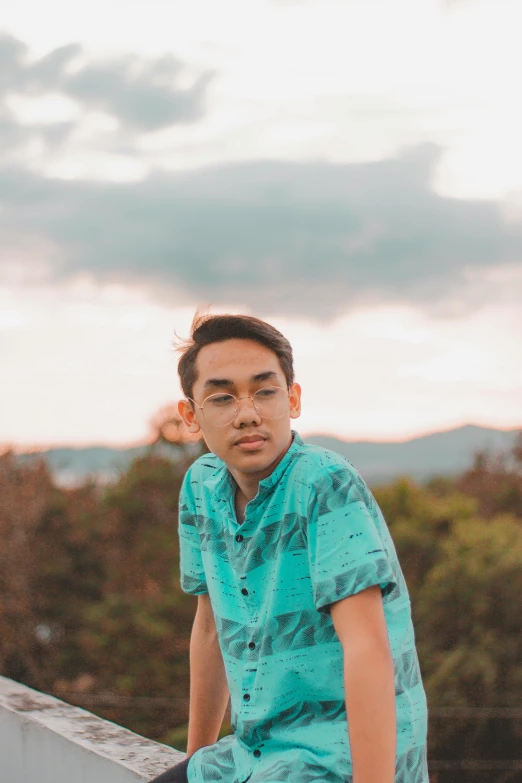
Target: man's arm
(209,694)
(369,685)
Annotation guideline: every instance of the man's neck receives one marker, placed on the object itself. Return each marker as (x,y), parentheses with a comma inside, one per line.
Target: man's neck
(247,490)
(248,484)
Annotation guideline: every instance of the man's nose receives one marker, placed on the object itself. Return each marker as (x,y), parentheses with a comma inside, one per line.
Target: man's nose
(246,410)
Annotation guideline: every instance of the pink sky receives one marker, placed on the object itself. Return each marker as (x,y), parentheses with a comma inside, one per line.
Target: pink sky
(92,365)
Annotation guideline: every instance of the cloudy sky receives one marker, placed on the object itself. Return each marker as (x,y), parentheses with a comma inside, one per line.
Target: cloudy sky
(349,171)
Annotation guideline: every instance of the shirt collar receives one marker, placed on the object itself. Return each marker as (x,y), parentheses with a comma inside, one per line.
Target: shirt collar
(295,447)
(226,480)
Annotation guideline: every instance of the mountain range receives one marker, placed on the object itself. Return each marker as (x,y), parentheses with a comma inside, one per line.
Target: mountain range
(445,453)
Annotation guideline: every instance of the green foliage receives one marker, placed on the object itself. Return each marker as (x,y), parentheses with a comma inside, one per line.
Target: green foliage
(469,631)
(469,620)
(420,523)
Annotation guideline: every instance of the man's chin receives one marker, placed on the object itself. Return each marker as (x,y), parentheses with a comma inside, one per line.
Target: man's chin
(252,462)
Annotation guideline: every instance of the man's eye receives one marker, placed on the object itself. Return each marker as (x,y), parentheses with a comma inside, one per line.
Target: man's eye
(221,399)
(265,392)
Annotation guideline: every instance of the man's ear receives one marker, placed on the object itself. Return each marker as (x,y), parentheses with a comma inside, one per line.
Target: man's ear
(187,413)
(294,397)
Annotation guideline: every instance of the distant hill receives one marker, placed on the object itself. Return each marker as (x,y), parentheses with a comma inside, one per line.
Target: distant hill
(440,453)
(71,466)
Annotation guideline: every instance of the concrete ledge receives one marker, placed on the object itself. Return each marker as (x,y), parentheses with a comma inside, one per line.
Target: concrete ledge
(47,740)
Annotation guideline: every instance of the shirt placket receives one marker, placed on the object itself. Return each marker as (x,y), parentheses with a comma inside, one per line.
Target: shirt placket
(250,600)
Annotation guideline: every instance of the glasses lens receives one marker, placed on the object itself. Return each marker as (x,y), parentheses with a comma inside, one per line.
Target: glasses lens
(220,409)
(271,402)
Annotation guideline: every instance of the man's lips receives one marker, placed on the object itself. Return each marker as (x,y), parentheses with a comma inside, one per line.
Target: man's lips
(250,442)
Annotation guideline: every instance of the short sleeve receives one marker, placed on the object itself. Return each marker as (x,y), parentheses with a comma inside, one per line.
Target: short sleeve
(345,547)
(192,572)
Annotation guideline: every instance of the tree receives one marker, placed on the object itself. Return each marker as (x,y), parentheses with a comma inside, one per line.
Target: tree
(469,631)
(25,492)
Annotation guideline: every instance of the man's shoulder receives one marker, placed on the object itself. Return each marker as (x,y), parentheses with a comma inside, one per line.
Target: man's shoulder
(207,462)
(324,470)
(317,461)
(205,466)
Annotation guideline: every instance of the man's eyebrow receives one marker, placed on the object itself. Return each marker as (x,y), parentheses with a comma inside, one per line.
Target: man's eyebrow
(220,382)
(263,376)
(217,382)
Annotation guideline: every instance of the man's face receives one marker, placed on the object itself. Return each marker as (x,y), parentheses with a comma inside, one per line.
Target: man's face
(241,367)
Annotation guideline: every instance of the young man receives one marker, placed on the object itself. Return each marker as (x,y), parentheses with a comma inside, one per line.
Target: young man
(303,615)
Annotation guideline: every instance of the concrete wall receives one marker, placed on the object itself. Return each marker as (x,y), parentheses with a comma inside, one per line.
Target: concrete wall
(46,740)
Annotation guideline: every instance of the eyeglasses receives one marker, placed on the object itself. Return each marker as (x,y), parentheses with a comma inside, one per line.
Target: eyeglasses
(221,409)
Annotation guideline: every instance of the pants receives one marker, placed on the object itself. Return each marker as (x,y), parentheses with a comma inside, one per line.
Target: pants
(176,774)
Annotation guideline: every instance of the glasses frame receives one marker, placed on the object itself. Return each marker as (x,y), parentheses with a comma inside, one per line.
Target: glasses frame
(237,399)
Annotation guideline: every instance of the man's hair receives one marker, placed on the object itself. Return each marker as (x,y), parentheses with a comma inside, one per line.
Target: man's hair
(207,329)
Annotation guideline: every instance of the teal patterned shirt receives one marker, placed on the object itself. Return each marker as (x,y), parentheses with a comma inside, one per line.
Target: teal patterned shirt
(312,535)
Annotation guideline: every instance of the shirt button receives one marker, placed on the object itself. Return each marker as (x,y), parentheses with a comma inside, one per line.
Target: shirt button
(239,538)
(252,645)
(257,753)
(246,697)
(244,591)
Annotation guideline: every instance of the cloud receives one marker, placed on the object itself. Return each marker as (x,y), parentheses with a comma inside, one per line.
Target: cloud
(139,94)
(311,239)
(14,137)
(142,95)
